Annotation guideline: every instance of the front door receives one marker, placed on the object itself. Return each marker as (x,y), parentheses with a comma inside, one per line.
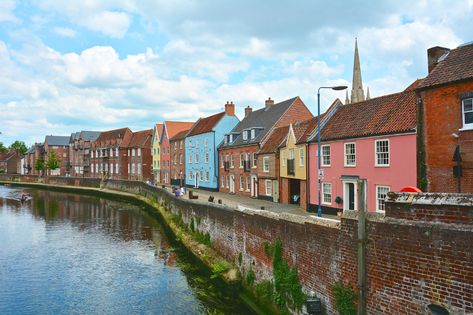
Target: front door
(275,191)
(349,193)
(232,183)
(197,174)
(254,186)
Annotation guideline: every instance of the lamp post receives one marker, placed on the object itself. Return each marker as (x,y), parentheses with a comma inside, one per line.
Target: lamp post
(336,88)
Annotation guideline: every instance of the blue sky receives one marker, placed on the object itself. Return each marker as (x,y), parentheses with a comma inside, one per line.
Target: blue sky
(101,64)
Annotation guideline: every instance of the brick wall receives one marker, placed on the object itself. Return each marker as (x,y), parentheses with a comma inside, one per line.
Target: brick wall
(420,253)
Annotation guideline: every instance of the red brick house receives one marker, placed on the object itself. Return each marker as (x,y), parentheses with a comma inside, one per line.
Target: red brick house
(238,152)
(445,121)
(170,129)
(34,153)
(79,151)
(10,162)
(139,156)
(178,158)
(109,154)
(60,145)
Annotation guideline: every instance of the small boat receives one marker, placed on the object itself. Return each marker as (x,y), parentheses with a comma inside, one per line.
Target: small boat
(24,198)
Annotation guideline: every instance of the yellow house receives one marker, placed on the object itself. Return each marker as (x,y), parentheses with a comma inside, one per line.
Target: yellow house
(156,151)
(293,163)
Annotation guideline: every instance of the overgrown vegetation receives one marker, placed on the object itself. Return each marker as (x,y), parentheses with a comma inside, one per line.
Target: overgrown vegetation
(219,268)
(240,258)
(345,299)
(250,278)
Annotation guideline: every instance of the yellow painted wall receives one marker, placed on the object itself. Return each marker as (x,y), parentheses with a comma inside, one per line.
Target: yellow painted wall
(156,157)
(284,154)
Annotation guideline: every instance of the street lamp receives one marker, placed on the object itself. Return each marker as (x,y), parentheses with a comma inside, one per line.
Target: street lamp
(336,88)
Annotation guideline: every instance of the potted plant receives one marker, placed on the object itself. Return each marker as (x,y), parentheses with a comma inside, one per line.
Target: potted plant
(339,201)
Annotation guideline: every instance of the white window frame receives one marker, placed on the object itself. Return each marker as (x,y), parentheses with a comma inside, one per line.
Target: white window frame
(301,157)
(465,125)
(222,161)
(190,159)
(253,133)
(254,161)
(206,157)
(248,183)
(116,152)
(111,168)
(206,142)
(326,192)
(207,176)
(222,181)
(242,183)
(245,135)
(241,160)
(139,151)
(266,164)
(376,153)
(197,158)
(323,156)
(116,168)
(138,168)
(268,192)
(232,161)
(345,155)
(132,152)
(381,200)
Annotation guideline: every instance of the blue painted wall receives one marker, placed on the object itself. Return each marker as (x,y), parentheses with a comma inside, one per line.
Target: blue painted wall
(196,145)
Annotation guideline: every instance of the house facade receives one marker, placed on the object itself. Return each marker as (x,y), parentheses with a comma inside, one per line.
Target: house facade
(201,143)
(35,153)
(79,152)
(59,145)
(170,129)
(10,162)
(238,154)
(139,156)
(445,154)
(109,154)
(178,158)
(373,140)
(156,152)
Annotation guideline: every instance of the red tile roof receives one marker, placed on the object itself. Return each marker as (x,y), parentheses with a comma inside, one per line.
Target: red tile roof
(206,124)
(275,139)
(141,139)
(174,127)
(389,114)
(456,66)
(121,136)
(179,136)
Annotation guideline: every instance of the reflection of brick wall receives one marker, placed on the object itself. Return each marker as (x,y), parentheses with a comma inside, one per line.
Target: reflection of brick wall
(443,116)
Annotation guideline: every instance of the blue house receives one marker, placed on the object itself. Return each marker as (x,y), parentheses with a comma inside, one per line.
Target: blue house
(201,148)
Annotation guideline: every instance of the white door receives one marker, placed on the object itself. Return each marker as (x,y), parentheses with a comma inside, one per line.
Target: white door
(254,186)
(350,195)
(275,191)
(197,174)
(232,183)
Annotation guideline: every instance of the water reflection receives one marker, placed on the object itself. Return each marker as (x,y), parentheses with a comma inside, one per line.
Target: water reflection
(64,253)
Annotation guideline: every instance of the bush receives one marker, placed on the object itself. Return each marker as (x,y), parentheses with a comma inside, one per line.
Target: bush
(344,299)
(250,277)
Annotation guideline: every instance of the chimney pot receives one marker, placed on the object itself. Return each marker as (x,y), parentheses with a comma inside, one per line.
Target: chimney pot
(248,110)
(268,103)
(230,109)
(433,56)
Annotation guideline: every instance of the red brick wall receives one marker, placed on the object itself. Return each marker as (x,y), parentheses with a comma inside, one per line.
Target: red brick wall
(284,190)
(442,117)
(178,170)
(236,171)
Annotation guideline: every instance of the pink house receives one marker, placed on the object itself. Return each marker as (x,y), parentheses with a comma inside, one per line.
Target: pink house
(373,140)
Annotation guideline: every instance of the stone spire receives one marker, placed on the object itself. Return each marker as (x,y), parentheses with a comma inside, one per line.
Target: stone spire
(347,100)
(368,93)
(357,94)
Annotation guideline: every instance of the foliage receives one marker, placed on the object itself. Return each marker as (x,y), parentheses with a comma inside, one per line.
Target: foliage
(197,220)
(338,200)
(250,278)
(19,146)
(268,249)
(202,238)
(39,164)
(219,267)
(52,161)
(344,299)
(191,225)
(265,290)
(240,258)
(3,149)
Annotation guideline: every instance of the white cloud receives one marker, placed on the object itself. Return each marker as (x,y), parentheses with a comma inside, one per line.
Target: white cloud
(114,24)
(66,32)
(6,11)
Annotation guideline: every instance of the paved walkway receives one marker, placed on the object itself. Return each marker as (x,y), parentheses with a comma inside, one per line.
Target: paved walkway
(243,202)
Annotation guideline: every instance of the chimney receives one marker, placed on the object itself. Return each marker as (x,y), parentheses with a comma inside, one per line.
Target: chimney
(268,103)
(230,109)
(434,54)
(248,110)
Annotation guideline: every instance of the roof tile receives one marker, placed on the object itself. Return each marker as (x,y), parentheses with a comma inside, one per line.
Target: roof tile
(206,124)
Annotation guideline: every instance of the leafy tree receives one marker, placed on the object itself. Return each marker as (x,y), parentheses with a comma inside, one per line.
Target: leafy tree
(19,146)
(3,149)
(39,164)
(53,161)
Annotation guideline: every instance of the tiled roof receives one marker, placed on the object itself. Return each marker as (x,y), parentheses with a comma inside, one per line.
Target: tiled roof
(112,134)
(141,139)
(456,66)
(159,129)
(275,139)
(181,135)
(206,124)
(174,127)
(57,140)
(89,135)
(389,114)
(303,129)
(263,118)
(9,155)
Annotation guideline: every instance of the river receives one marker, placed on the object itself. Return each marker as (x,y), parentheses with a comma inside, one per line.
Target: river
(64,253)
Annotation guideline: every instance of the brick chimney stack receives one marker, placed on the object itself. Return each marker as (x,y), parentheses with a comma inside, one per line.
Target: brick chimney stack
(434,54)
(230,109)
(248,110)
(268,103)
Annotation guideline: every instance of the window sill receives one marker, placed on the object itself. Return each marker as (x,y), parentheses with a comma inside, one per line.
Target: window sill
(349,165)
(383,166)
(466,128)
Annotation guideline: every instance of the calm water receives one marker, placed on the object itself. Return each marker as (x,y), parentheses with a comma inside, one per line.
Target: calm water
(69,254)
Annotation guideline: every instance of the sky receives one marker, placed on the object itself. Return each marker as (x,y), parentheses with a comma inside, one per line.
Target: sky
(67,66)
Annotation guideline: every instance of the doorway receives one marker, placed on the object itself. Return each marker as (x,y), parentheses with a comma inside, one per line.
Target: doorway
(197,174)
(254,186)
(294,191)
(349,196)
(232,184)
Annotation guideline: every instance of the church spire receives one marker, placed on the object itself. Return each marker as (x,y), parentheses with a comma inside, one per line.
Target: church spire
(347,100)
(357,94)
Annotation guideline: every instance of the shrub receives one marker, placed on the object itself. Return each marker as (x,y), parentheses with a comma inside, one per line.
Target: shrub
(344,299)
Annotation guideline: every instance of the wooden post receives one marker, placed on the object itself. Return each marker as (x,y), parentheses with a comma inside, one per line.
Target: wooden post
(361,246)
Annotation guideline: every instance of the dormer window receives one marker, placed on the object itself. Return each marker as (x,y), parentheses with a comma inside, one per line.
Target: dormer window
(245,135)
(253,133)
(230,138)
(225,139)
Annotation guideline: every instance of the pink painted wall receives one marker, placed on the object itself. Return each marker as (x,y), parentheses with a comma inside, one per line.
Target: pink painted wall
(401,172)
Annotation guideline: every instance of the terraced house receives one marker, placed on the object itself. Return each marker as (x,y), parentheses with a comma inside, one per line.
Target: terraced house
(178,158)
(374,140)
(59,145)
(156,152)
(238,153)
(201,147)
(79,151)
(139,156)
(170,129)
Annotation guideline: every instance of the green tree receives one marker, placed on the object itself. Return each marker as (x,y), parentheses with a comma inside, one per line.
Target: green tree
(39,164)
(53,161)
(19,146)
(3,149)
